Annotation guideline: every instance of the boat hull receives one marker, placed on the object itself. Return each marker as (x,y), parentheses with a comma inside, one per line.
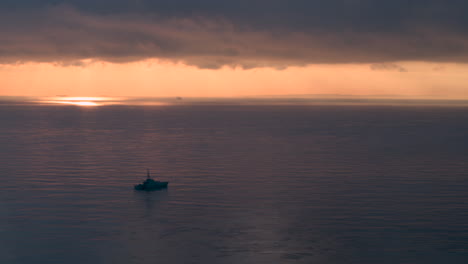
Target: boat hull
(151,187)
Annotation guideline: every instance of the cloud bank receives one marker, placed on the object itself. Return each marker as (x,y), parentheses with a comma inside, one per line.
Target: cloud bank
(256,33)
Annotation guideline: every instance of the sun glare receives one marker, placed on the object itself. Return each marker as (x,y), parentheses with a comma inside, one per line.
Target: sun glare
(80,101)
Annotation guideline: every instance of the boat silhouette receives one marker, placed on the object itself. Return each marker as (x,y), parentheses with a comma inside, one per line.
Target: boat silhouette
(150,184)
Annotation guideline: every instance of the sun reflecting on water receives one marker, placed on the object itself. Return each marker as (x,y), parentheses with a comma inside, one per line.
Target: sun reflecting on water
(105,101)
(81,101)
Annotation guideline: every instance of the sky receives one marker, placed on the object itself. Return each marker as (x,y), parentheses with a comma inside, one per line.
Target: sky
(211,48)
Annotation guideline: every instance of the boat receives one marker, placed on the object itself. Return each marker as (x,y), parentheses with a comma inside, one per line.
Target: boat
(150,184)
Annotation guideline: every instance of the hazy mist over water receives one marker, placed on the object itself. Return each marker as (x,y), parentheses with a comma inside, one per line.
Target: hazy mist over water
(248,184)
(293,100)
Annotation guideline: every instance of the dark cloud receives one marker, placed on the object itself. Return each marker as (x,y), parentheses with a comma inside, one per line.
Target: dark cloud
(255,33)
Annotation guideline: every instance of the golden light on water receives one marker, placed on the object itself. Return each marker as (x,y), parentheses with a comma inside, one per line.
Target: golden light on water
(84,103)
(105,101)
(80,101)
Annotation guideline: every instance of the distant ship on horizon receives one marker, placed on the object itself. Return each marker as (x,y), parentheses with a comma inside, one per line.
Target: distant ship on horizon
(150,184)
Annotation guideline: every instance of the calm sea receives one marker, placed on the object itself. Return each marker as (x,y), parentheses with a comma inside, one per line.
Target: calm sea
(248,184)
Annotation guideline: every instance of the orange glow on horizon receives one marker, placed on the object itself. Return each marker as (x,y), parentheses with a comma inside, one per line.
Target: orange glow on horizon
(100,82)
(72,99)
(80,101)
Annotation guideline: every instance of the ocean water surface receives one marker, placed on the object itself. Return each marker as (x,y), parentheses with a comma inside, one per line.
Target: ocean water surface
(248,184)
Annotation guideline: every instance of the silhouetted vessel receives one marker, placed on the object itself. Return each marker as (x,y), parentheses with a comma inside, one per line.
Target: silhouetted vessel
(150,184)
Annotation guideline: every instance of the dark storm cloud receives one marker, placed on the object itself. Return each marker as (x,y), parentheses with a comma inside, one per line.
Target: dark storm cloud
(255,33)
